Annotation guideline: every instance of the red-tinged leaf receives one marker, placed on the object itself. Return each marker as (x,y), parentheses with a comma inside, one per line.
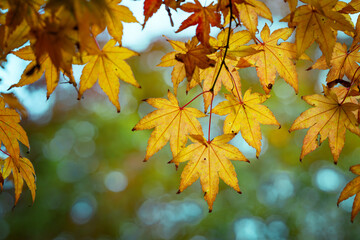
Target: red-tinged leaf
(203,17)
(150,7)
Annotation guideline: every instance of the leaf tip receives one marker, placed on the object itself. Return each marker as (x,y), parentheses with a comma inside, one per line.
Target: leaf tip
(145,160)
(178,192)
(300,159)
(118,110)
(239,192)
(210,210)
(279,126)
(133,129)
(144,100)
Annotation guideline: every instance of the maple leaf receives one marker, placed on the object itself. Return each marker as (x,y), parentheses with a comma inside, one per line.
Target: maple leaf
(209,160)
(185,59)
(35,69)
(352,188)
(203,17)
(245,115)
(318,21)
(247,12)
(22,170)
(171,122)
(329,118)
(11,132)
(151,7)
(108,66)
(273,57)
(343,62)
(115,14)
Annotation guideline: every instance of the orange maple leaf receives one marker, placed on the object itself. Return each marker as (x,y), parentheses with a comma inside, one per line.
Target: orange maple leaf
(273,57)
(329,118)
(151,7)
(245,115)
(171,122)
(209,160)
(203,17)
(108,66)
(352,188)
(22,170)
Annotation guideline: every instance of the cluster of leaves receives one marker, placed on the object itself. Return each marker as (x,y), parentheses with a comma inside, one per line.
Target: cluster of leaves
(205,62)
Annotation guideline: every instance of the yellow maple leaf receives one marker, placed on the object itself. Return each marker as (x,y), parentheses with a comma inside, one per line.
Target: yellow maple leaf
(318,21)
(249,11)
(36,69)
(108,66)
(171,122)
(352,188)
(343,62)
(22,171)
(114,16)
(246,11)
(273,57)
(245,115)
(209,160)
(11,132)
(329,118)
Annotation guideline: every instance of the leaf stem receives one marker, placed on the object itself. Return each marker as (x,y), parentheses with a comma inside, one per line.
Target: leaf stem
(212,99)
(193,99)
(226,48)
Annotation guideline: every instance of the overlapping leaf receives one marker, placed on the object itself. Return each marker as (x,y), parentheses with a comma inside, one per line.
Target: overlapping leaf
(343,62)
(228,75)
(108,66)
(352,188)
(329,118)
(22,170)
(318,21)
(209,160)
(203,17)
(247,12)
(186,58)
(273,57)
(171,122)
(245,115)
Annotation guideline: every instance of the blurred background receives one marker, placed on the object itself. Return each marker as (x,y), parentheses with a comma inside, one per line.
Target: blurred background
(92,182)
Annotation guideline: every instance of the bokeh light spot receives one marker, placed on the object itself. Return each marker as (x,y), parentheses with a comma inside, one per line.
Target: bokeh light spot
(115,181)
